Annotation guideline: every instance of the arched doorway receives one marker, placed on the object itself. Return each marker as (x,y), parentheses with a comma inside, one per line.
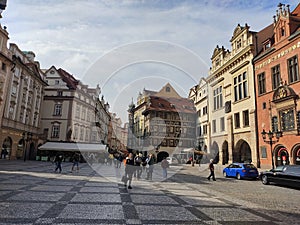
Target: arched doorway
(296,156)
(282,156)
(6,148)
(20,149)
(214,152)
(242,152)
(161,155)
(225,154)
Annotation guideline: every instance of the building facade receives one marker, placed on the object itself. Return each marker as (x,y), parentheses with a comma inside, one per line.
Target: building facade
(72,111)
(199,95)
(20,128)
(6,65)
(278,88)
(163,122)
(231,96)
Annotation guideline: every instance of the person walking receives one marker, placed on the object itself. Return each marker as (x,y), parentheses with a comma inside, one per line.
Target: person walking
(76,158)
(165,166)
(212,170)
(149,166)
(58,160)
(138,164)
(129,170)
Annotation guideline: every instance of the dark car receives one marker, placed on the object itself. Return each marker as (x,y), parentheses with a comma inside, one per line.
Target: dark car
(288,175)
(241,170)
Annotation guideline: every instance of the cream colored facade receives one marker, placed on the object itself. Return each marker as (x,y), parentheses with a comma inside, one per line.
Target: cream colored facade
(199,95)
(6,64)
(232,100)
(20,128)
(69,109)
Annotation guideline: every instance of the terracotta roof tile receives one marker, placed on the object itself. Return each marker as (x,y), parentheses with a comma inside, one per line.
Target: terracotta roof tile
(68,78)
(182,105)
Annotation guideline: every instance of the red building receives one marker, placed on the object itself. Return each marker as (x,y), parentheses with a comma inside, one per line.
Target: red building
(278,88)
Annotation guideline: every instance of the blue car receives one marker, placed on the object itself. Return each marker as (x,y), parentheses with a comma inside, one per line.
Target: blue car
(241,171)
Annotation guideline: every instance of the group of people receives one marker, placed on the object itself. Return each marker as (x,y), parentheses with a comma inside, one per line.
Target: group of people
(135,165)
(58,159)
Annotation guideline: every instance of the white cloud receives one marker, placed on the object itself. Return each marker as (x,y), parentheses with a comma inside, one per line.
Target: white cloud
(75,35)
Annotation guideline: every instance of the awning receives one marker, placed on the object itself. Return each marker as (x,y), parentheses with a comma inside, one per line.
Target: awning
(64,146)
(194,151)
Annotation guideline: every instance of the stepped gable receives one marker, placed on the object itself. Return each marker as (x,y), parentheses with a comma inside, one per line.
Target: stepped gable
(68,78)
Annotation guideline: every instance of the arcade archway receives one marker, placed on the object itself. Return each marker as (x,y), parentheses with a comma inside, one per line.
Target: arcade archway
(281,156)
(242,152)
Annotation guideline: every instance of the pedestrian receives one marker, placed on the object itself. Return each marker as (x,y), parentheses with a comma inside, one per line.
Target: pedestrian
(164,166)
(149,166)
(212,170)
(76,158)
(58,160)
(138,164)
(129,170)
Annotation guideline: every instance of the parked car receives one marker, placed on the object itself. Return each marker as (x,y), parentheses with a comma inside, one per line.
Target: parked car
(288,175)
(172,160)
(241,171)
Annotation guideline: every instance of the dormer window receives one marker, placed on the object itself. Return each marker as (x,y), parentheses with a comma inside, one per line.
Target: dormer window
(267,45)
(168,89)
(239,44)
(217,62)
(282,32)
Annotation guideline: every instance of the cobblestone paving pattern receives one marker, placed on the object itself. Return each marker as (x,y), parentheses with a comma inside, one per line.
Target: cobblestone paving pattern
(30,193)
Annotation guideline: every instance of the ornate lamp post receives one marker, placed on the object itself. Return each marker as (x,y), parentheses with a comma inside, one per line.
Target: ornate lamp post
(27,136)
(270,136)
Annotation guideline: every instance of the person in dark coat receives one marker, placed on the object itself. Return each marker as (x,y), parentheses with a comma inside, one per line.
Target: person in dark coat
(58,160)
(129,170)
(212,170)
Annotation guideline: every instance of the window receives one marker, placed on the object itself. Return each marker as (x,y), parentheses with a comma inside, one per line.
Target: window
(56,82)
(168,89)
(239,44)
(3,67)
(298,122)
(222,123)
(204,129)
(237,120)
(57,110)
(275,76)
(267,45)
(55,131)
(282,32)
(261,83)
(204,110)
(14,90)
(263,152)
(77,115)
(217,62)
(293,69)
(264,105)
(199,113)
(199,131)
(240,87)
(214,126)
(59,93)
(287,120)
(274,123)
(218,98)
(83,112)
(246,118)
(81,133)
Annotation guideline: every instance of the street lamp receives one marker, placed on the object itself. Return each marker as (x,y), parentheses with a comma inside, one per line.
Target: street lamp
(27,136)
(270,136)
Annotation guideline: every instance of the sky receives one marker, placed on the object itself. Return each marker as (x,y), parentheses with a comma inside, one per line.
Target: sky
(128,45)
